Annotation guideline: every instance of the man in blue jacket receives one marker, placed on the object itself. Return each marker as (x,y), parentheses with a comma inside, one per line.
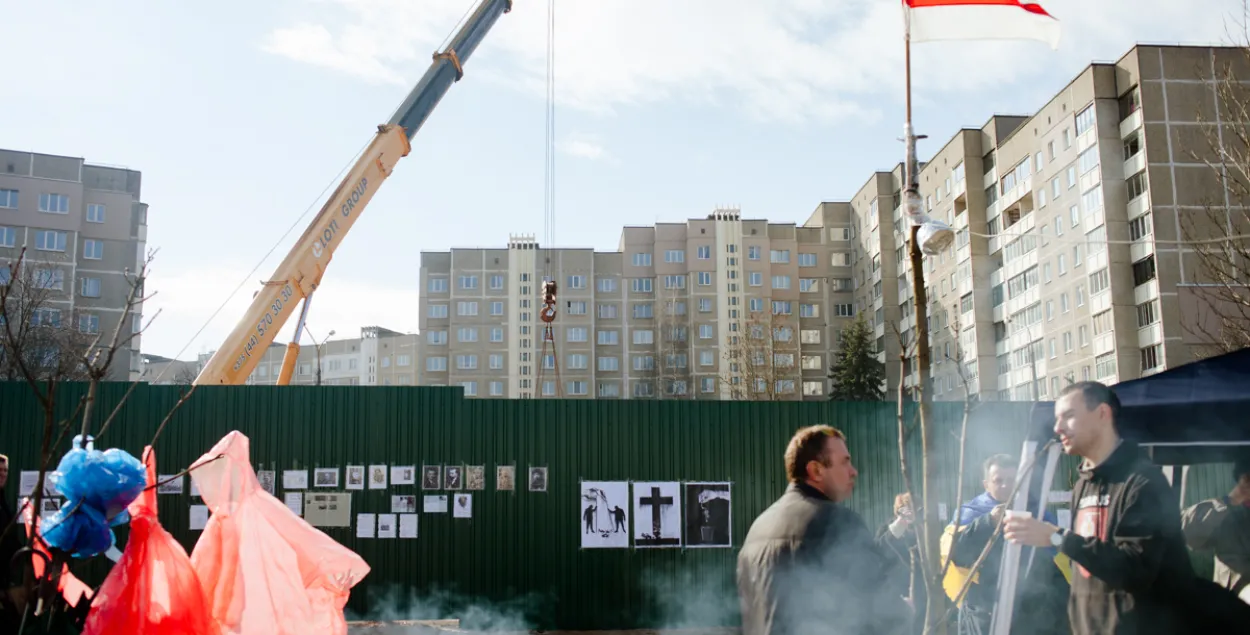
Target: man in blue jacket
(1042,588)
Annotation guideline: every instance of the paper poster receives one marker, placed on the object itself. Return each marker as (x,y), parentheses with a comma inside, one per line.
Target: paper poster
(364,525)
(505,478)
(453,477)
(29,479)
(295,479)
(431,476)
(328,509)
(708,519)
(168,486)
(436,504)
(605,519)
(199,517)
(50,506)
(403,504)
(268,479)
(377,477)
(403,474)
(355,477)
(475,477)
(538,479)
(195,488)
(462,506)
(407,525)
(942,511)
(295,502)
(326,477)
(657,514)
(386,526)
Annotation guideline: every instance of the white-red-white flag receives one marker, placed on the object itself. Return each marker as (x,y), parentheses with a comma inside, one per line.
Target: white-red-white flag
(933,20)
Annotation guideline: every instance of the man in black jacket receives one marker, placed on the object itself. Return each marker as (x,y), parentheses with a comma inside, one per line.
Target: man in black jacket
(809,565)
(1131,565)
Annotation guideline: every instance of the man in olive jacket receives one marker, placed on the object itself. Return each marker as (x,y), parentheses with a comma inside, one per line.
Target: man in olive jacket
(809,565)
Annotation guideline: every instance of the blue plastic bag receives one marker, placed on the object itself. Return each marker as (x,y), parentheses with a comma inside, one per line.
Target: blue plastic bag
(98,487)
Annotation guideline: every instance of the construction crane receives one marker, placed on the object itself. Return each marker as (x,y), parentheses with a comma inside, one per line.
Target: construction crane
(299,274)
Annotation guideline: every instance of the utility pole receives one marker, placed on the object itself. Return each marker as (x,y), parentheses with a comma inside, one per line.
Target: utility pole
(318,349)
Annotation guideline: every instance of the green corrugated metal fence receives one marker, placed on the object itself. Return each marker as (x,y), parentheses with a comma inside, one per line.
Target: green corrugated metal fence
(520,551)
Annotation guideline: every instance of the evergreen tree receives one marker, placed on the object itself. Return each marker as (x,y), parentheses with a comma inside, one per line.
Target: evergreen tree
(857,374)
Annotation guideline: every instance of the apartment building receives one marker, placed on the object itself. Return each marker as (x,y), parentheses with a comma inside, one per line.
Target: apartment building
(1066,264)
(83,226)
(379,357)
(714,308)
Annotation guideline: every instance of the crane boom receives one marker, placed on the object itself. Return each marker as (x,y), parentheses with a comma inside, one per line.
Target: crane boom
(299,274)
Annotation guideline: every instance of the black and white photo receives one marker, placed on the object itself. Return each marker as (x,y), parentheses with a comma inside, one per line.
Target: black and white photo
(377,477)
(403,474)
(405,504)
(708,518)
(505,478)
(605,515)
(168,486)
(475,477)
(431,477)
(267,479)
(326,477)
(355,477)
(538,479)
(657,514)
(453,477)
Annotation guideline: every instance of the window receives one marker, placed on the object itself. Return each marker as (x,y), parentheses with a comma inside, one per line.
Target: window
(1082,334)
(781,282)
(89,287)
(1064,305)
(1085,120)
(54,203)
(438,285)
(466,334)
(807,260)
(1099,281)
(644,336)
(92,249)
(436,364)
(496,307)
(675,282)
(1137,185)
(88,323)
(642,260)
(609,338)
(46,240)
(608,364)
(468,282)
(753,252)
(1151,358)
(577,308)
(607,285)
(466,308)
(1055,189)
(49,279)
(436,338)
(844,310)
(1147,313)
(1074,215)
(779,256)
(496,282)
(1067,342)
(576,334)
(704,253)
(641,285)
(1063,266)
(674,255)
(8,199)
(496,334)
(1144,270)
(1140,227)
(496,388)
(8,238)
(577,282)
(95,213)
(644,311)
(579,361)
(1088,160)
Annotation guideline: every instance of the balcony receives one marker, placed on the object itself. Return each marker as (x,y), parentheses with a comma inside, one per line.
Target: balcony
(1141,248)
(1150,335)
(1139,205)
(1146,292)
(1130,125)
(1135,163)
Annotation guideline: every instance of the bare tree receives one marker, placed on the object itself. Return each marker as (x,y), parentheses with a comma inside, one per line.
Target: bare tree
(1216,236)
(763,359)
(45,355)
(672,351)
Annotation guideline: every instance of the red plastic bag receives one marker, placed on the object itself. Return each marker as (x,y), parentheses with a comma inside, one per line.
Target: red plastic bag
(153,588)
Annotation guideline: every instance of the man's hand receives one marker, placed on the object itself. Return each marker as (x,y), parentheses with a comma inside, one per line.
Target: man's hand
(996,514)
(1029,531)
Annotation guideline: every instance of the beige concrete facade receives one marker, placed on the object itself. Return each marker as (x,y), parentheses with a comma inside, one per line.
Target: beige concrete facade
(714,308)
(1056,274)
(83,226)
(1066,266)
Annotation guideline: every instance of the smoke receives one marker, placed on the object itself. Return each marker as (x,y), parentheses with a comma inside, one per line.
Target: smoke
(693,598)
(399,603)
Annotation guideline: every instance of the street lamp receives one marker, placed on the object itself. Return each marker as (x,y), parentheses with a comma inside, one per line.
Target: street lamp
(318,349)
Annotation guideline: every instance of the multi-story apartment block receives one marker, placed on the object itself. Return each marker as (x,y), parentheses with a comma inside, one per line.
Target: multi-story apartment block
(1056,275)
(1068,264)
(379,357)
(713,308)
(83,227)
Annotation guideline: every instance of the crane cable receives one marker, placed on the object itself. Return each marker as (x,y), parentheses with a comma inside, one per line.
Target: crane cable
(549,286)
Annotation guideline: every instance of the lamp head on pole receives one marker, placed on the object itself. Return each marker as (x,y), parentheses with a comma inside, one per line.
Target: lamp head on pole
(933,235)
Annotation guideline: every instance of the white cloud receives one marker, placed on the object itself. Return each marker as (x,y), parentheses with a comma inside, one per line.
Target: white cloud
(187,299)
(782,60)
(583,146)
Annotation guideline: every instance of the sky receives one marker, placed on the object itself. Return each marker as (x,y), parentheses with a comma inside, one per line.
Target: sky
(241,115)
